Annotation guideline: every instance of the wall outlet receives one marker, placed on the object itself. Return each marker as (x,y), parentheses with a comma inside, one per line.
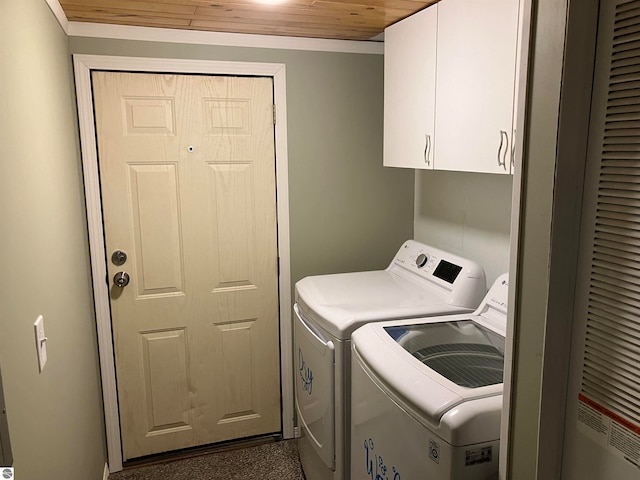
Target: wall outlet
(41,342)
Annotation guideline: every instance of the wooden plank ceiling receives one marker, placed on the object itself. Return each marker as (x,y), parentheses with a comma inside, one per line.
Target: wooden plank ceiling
(336,19)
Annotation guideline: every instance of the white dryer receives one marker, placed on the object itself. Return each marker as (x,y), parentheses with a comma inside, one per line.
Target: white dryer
(427,395)
(420,281)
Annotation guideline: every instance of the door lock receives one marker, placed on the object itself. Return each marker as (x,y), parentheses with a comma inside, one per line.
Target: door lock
(121,279)
(119,257)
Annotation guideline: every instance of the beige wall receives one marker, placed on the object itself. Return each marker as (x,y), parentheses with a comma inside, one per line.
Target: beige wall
(55,418)
(468,214)
(347,212)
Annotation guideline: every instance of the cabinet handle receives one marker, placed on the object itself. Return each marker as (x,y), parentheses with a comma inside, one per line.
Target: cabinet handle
(427,148)
(513,150)
(502,156)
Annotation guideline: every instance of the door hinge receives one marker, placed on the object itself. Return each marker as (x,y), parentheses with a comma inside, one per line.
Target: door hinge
(274,114)
(278,266)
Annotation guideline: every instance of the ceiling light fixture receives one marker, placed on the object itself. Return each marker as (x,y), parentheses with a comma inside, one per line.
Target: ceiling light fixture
(270,2)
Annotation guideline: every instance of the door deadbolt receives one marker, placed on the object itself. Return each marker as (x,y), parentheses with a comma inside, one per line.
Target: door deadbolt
(121,279)
(119,257)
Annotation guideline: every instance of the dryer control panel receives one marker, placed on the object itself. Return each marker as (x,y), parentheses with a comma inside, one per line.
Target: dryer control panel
(441,269)
(416,257)
(428,261)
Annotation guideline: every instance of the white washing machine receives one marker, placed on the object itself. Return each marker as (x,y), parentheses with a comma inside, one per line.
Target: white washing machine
(427,395)
(420,281)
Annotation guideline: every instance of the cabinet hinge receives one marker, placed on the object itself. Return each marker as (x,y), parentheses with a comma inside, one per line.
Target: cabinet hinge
(274,114)
(278,266)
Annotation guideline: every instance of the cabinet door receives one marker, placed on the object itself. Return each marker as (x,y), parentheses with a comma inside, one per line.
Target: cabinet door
(475,71)
(409,91)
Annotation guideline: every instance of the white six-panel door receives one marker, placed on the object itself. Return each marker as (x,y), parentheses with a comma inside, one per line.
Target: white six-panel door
(187,174)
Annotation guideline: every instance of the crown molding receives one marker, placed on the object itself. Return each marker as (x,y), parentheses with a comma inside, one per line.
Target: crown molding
(196,37)
(56,9)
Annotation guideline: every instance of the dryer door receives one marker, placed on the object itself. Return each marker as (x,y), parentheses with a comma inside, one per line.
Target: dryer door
(314,385)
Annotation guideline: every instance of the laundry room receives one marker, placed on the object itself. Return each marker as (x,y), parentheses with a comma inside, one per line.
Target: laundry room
(110,381)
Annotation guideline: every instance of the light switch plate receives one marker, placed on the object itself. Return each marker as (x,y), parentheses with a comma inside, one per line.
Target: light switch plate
(41,342)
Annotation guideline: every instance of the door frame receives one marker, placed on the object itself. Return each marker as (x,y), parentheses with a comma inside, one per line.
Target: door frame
(83,65)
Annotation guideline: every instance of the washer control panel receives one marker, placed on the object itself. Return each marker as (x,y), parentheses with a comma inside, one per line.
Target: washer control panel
(499,293)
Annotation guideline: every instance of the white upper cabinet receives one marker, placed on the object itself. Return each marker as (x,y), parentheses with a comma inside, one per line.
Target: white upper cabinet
(475,73)
(450,86)
(409,90)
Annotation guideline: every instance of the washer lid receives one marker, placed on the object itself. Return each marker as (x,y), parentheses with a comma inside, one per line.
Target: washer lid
(340,303)
(394,353)
(463,351)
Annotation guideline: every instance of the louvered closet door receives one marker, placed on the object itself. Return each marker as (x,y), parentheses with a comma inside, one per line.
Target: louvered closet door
(602,434)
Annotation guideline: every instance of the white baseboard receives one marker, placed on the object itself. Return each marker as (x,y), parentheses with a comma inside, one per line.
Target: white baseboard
(105,474)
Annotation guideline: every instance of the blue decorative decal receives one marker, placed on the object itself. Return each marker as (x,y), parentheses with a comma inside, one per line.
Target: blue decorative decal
(376,467)
(306,375)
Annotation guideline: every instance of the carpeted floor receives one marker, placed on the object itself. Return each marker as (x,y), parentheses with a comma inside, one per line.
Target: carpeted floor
(270,461)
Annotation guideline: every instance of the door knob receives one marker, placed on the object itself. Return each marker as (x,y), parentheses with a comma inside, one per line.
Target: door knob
(121,279)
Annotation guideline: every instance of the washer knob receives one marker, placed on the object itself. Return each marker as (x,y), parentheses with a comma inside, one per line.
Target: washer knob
(422,260)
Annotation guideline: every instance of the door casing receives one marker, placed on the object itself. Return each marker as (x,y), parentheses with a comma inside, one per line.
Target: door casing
(83,64)
(6,458)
